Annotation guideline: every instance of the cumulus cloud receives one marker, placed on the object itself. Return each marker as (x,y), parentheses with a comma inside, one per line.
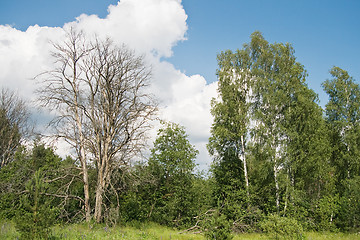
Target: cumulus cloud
(23,55)
(153,28)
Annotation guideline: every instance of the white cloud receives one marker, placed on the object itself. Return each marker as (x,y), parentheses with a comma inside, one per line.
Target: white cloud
(152,27)
(23,55)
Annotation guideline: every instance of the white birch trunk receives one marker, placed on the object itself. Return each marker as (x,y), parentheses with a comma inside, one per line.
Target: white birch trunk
(245,167)
(276,186)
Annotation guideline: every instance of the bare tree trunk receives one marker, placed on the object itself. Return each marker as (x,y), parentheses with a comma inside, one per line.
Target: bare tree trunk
(83,163)
(79,124)
(100,188)
(86,193)
(98,202)
(86,184)
(103,180)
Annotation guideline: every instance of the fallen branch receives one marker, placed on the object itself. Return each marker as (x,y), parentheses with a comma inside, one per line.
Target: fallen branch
(200,218)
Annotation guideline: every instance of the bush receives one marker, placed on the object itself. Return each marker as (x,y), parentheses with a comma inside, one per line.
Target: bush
(349,207)
(326,210)
(35,217)
(218,227)
(278,227)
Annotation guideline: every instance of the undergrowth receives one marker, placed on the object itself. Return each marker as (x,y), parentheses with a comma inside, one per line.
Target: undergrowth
(145,231)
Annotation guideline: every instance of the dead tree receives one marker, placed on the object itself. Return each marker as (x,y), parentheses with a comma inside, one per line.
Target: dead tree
(61,90)
(119,112)
(104,108)
(15,124)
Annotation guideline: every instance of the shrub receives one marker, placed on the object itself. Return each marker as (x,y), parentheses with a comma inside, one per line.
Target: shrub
(278,227)
(218,227)
(35,217)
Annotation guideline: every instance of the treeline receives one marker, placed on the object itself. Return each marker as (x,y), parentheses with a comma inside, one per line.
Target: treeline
(276,151)
(281,163)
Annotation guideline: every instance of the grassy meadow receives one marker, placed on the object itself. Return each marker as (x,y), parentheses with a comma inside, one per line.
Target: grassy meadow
(147,231)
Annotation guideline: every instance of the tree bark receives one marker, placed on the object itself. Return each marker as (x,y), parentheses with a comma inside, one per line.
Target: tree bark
(86,193)
(83,165)
(98,203)
(276,186)
(245,167)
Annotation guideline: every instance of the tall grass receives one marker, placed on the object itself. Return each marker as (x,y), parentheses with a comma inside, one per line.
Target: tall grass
(149,231)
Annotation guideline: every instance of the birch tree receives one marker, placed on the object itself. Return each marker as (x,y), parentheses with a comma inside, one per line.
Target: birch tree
(230,130)
(343,116)
(263,108)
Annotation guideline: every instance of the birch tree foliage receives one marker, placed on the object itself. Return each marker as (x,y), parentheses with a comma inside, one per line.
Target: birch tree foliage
(290,131)
(263,98)
(343,115)
(230,130)
(277,77)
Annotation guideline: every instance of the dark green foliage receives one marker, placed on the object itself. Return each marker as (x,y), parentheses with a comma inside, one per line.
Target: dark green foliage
(36,214)
(166,189)
(325,212)
(349,209)
(24,186)
(277,227)
(38,184)
(218,227)
(229,186)
(172,166)
(343,117)
(268,129)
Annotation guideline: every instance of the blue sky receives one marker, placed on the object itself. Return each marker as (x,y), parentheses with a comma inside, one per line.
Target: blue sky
(324,33)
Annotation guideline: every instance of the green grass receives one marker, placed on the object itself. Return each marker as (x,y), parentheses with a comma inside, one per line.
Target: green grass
(147,232)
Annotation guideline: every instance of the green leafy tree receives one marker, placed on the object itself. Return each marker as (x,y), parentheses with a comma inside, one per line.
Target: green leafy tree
(267,118)
(56,181)
(36,214)
(349,209)
(308,172)
(172,164)
(289,134)
(279,83)
(230,130)
(342,113)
